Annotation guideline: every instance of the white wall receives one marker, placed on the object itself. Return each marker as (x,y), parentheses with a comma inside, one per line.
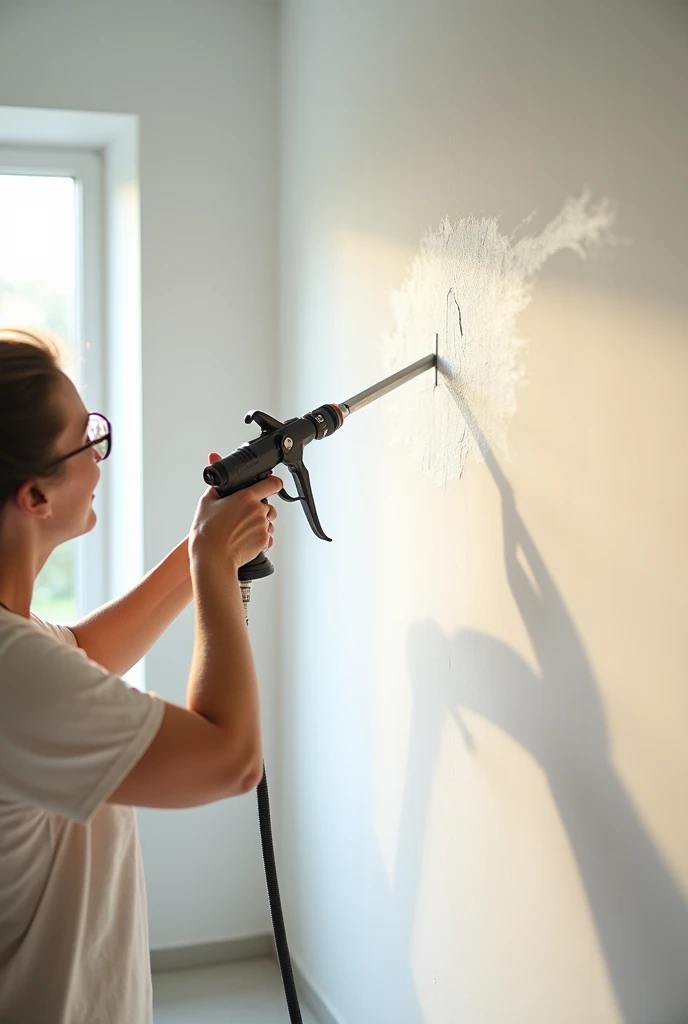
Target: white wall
(201,78)
(485,762)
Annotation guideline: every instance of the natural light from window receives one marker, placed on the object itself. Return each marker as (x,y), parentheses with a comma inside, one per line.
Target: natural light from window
(38,254)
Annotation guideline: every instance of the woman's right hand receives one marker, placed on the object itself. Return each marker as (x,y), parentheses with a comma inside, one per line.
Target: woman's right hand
(236,528)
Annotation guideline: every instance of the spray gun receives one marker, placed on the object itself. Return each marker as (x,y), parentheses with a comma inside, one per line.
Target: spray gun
(284,443)
(246,465)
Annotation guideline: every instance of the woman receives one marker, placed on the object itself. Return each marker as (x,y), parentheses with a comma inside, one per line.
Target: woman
(79,747)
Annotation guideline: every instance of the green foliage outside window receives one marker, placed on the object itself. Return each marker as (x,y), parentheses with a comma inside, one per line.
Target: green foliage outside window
(53,594)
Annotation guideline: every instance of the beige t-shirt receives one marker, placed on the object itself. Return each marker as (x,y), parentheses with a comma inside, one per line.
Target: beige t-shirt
(73,918)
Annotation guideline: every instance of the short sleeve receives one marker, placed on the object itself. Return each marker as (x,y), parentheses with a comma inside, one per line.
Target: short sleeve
(70,731)
(62,633)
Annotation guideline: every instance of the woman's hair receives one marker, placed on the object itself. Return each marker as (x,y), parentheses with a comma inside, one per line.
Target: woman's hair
(30,417)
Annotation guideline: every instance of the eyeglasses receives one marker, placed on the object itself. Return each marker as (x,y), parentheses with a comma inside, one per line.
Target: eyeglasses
(99,433)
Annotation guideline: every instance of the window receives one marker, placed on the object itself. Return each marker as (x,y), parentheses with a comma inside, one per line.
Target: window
(99,153)
(50,238)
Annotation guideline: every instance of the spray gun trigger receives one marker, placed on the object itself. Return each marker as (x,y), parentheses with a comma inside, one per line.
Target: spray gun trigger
(303,486)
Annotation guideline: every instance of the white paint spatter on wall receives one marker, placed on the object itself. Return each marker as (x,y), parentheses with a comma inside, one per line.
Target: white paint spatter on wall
(467,284)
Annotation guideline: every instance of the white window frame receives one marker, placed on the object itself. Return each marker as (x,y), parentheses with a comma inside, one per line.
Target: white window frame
(115,140)
(85,167)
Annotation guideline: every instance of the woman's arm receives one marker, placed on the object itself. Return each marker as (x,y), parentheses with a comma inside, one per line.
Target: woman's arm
(119,634)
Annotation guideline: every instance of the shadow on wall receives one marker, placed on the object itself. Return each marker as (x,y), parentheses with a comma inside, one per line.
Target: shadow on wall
(640,914)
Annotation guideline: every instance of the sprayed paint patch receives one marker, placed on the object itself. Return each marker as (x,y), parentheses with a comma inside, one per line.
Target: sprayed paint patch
(468,284)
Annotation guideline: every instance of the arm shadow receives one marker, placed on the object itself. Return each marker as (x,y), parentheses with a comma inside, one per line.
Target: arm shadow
(639,910)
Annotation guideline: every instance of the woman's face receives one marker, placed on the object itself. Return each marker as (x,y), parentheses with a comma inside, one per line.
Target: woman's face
(71,494)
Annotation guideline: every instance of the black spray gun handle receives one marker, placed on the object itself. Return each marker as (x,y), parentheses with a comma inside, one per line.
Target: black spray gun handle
(255,460)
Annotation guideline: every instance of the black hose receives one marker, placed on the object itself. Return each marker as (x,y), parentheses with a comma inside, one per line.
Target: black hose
(278,928)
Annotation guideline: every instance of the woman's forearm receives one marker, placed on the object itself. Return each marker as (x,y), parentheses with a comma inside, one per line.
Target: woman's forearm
(223,685)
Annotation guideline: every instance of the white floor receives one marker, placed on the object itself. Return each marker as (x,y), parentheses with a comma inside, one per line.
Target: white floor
(246,992)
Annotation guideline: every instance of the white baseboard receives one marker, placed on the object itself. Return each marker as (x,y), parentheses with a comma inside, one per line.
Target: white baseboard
(179,958)
(316,1004)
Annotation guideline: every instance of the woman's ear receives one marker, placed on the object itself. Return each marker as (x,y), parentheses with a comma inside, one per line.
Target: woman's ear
(31,500)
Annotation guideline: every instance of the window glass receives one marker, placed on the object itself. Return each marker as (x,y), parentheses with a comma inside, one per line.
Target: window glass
(38,250)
